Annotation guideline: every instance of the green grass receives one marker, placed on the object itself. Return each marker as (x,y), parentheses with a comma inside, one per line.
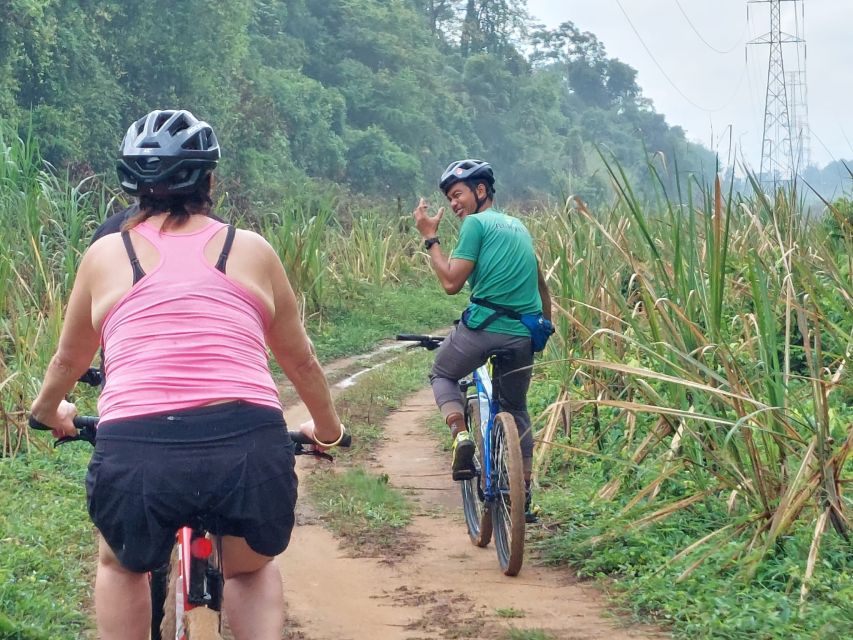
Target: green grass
(527,634)
(47,545)
(714,601)
(360,507)
(372,314)
(509,612)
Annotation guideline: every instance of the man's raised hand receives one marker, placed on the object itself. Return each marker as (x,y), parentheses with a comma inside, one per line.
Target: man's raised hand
(426,224)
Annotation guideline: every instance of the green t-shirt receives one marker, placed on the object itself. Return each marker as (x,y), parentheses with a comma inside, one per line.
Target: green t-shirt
(505,270)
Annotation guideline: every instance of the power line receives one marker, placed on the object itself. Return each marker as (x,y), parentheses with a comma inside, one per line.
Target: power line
(844,133)
(666,75)
(701,37)
(825,148)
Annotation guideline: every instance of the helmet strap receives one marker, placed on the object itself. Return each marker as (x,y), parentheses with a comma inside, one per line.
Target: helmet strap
(477,199)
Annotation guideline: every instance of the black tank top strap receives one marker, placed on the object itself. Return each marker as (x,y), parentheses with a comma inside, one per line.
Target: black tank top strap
(226,248)
(138,273)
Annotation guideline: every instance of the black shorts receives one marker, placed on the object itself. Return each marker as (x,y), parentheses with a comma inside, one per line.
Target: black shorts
(227,468)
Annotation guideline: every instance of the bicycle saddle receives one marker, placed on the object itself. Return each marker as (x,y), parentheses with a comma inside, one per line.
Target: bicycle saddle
(498,354)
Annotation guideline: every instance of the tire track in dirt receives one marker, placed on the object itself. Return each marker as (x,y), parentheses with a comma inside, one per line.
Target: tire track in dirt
(444,587)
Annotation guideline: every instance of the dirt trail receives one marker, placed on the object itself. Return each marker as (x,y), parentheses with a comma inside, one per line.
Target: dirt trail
(444,588)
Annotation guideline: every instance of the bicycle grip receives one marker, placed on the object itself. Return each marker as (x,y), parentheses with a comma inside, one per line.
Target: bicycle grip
(80,422)
(412,337)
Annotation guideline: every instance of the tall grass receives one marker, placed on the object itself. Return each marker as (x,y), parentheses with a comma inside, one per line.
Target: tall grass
(45,223)
(714,333)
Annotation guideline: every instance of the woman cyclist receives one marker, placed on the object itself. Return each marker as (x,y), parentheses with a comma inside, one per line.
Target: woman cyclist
(191,429)
(495,256)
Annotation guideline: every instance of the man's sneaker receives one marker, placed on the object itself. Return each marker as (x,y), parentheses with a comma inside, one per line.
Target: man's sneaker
(531,513)
(463,456)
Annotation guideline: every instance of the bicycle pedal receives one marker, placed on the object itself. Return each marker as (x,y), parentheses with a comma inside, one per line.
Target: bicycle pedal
(464,474)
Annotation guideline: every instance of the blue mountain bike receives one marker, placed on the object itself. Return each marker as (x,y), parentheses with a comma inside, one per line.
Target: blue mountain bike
(493,499)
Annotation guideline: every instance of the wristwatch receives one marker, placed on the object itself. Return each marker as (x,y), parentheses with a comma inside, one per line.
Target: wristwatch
(431,241)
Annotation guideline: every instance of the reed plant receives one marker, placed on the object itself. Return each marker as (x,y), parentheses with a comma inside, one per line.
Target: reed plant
(714,332)
(45,223)
(375,250)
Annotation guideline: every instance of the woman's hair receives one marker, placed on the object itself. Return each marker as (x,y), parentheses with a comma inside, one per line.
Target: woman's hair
(179,207)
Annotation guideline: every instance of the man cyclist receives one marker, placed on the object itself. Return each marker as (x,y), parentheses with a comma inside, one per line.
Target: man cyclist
(495,255)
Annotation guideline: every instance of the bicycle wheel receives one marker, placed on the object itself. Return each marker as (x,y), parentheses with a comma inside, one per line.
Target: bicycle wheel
(198,623)
(508,505)
(168,630)
(477,515)
(202,624)
(158,582)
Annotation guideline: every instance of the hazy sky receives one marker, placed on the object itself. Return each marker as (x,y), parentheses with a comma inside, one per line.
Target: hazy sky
(705,87)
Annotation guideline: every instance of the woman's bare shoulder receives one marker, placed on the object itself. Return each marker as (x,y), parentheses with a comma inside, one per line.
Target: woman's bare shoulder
(105,248)
(255,243)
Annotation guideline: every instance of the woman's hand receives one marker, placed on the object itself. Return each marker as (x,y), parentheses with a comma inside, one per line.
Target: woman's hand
(308,429)
(426,224)
(61,422)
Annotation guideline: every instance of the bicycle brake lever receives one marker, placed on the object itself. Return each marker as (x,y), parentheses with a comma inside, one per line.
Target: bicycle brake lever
(301,449)
(92,377)
(85,433)
(66,440)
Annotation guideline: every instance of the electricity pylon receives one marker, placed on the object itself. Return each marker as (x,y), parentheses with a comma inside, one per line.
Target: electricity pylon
(778,160)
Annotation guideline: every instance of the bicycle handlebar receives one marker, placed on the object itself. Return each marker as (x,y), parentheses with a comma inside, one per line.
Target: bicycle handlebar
(87,425)
(303,445)
(427,342)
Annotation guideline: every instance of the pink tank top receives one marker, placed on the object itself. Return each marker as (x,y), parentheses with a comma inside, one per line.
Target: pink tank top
(184,336)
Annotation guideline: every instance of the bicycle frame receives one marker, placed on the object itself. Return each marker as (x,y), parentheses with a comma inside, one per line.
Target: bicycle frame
(487,399)
(201,581)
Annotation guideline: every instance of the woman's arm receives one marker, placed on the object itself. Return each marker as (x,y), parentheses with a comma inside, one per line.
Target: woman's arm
(295,354)
(78,343)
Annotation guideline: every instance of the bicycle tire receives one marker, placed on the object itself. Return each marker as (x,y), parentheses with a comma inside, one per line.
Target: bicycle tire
(159,587)
(508,505)
(199,623)
(202,624)
(168,623)
(478,517)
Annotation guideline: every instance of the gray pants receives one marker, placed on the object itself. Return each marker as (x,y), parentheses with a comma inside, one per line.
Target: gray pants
(465,350)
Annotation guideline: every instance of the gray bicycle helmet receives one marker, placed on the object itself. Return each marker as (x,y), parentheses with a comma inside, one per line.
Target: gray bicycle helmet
(467,171)
(166,153)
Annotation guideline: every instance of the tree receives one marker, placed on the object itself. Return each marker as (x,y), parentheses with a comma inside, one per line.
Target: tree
(492,26)
(377,165)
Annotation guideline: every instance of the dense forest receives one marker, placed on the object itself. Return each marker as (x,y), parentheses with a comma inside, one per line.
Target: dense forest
(375,96)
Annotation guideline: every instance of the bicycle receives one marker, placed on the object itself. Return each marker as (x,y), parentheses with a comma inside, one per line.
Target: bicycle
(493,499)
(192,612)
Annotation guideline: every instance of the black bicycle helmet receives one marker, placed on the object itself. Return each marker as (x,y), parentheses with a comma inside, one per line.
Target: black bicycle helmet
(467,171)
(166,153)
